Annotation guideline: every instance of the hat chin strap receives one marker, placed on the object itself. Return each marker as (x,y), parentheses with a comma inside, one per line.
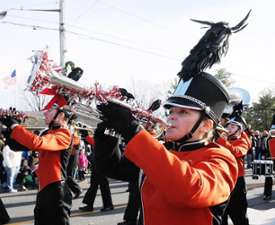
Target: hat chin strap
(194,128)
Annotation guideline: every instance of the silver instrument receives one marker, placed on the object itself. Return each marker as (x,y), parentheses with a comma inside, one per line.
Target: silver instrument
(236,95)
(83,100)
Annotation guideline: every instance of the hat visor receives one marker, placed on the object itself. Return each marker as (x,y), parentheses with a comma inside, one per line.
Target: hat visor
(234,122)
(182,102)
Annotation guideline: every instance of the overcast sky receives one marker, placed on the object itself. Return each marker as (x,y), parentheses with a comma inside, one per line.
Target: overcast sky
(138,44)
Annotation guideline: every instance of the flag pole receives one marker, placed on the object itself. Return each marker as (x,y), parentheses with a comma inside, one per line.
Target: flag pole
(15,98)
(14,76)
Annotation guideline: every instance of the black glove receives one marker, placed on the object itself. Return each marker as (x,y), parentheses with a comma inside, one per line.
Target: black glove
(119,118)
(84,133)
(4,130)
(8,121)
(105,154)
(104,144)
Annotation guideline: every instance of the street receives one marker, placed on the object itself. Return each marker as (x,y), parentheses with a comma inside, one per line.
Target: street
(20,205)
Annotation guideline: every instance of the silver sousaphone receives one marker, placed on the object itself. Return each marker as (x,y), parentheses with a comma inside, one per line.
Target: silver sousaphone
(236,95)
(45,74)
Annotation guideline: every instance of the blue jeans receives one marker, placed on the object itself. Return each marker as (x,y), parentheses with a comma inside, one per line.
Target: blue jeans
(11,175)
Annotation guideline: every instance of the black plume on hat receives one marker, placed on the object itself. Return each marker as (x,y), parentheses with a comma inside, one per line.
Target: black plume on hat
(237,110)
(210,48)
(199,90)
(236,116)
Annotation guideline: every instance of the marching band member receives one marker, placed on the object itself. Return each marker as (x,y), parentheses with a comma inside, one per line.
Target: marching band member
(270,145)
(97,180)
(238,143)
(54,198)
(191,179)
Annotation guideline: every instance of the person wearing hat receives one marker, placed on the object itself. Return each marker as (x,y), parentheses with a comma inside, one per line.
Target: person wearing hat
(188,179)
(238,143)
(193,177)
(270,145)
(53,198)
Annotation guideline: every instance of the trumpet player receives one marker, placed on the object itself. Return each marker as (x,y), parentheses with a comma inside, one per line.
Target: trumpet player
(270,145)
(53,198)
(238,142)
(189,178)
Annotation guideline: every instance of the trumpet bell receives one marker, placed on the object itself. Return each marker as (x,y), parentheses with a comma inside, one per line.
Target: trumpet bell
(45,74)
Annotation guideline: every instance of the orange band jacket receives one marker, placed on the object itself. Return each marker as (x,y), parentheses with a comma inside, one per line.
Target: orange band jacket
(53,152)
(239,148)
(180,187)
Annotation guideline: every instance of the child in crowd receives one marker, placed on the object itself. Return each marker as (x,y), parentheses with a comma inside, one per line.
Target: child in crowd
(82,164)
(24,177)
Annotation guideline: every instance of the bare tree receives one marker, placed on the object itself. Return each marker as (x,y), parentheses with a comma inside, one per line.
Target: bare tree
(224,76)
(173,85)
(146,92)
(34,102)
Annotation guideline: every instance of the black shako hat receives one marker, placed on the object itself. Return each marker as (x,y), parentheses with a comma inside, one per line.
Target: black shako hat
(202,92)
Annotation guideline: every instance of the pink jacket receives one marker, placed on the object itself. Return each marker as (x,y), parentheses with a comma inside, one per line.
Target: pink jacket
(82,161)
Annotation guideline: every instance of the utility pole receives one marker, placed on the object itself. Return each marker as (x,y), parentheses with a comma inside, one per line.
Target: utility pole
(62,50)
(61,33)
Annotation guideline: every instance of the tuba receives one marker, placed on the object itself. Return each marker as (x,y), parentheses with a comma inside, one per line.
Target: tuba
(46,75)
(236,96)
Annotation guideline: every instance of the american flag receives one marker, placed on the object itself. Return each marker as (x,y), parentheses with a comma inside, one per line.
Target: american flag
(8,81)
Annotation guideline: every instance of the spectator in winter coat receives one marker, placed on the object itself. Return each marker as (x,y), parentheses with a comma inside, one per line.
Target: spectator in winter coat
(12,162)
